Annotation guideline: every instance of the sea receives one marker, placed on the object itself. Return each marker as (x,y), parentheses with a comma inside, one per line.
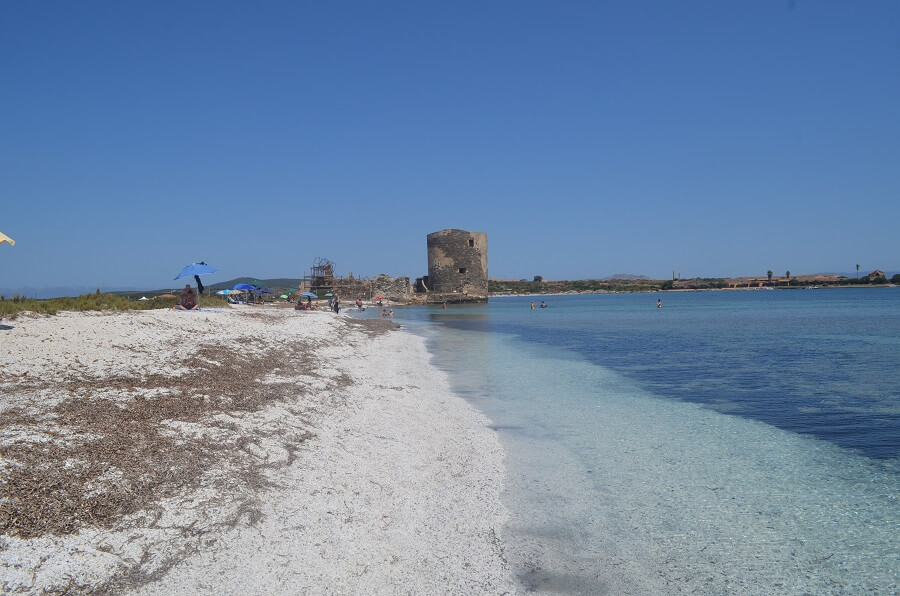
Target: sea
(725,442)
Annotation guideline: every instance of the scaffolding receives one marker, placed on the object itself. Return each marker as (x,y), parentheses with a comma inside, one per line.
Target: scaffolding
(322,280)
(321,275)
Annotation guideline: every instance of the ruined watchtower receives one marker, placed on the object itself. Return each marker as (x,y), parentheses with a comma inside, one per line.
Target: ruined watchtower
(458,263)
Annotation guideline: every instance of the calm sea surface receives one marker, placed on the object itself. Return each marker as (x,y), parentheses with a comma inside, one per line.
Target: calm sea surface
(728,442)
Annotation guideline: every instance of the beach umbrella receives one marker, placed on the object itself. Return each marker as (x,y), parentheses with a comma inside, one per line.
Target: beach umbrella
(284,296)
(329,294)
(308,295)
(243,286)
(197,269)
(5,238)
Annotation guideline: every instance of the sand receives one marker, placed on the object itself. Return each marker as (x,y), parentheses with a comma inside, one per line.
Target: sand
(250,450)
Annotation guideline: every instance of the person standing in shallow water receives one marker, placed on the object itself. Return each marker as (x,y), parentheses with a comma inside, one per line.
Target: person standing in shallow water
(532,305)
(659,303)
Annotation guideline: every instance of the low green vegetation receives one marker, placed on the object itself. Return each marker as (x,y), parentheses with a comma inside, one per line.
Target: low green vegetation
(10,307)
(696,283)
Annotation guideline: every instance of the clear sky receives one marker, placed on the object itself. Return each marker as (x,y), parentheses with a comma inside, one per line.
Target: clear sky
(585,138)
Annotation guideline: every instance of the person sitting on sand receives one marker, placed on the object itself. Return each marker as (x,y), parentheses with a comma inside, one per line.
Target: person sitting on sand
(188,299)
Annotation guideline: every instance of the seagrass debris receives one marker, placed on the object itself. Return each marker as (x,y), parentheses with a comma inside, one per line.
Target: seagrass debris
(109,458)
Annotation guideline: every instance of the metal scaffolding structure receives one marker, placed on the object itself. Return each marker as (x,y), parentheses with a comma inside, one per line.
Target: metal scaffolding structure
(321,275)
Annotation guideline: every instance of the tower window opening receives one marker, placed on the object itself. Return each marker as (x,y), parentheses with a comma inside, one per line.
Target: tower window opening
(462,269)
(471,242)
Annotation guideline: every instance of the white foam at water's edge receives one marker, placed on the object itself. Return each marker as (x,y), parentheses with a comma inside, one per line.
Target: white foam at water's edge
(613,490)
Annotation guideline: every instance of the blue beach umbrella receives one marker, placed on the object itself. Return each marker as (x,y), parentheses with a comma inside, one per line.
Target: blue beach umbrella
(308,295)
(243,286)
(196,270)
(200,268)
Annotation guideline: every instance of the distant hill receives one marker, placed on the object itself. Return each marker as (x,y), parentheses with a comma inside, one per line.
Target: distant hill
(626,277)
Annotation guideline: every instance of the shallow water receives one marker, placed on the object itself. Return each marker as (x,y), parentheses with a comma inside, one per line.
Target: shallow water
(729,442)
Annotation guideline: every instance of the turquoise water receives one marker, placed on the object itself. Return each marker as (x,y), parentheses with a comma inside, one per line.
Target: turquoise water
(729,442)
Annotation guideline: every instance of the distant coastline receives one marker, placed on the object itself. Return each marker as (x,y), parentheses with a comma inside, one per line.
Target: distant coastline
(619,283)
(682,290)
(539,286)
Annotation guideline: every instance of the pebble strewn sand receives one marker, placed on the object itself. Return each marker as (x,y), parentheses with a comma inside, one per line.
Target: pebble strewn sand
(252,450)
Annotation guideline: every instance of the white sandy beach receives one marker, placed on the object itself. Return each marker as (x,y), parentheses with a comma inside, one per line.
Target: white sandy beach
(252,450)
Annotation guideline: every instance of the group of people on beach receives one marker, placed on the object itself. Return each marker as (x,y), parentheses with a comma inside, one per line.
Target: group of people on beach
(334,304)
(188,301)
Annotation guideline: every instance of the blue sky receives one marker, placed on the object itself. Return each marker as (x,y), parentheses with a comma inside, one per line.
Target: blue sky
(585,138)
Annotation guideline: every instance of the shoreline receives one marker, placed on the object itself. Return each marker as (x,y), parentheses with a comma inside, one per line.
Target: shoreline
(342,461)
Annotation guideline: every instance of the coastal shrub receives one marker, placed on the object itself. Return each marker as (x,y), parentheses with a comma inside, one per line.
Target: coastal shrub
(880,280)
(11,308)
(896,278)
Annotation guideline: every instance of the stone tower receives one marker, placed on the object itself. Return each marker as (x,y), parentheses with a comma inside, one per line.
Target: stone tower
(458,263)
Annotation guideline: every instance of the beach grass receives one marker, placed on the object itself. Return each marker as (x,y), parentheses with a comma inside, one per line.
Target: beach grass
(97,301)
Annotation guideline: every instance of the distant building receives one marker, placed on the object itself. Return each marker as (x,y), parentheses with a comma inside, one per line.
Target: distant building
(457,266)
(876,274)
